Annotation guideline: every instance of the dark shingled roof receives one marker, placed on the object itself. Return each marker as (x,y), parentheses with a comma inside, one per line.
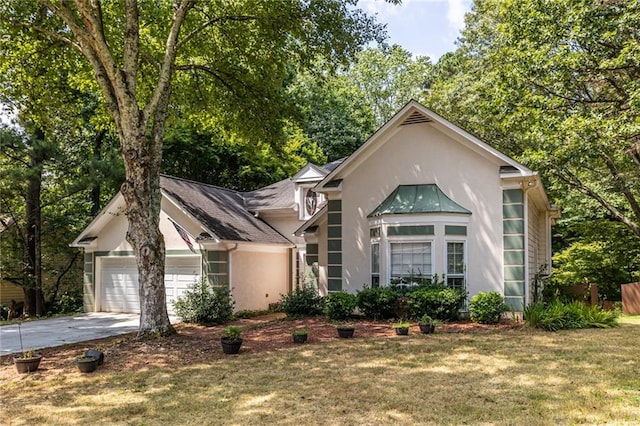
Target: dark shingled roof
(222,211)
(279,195)
(275,196)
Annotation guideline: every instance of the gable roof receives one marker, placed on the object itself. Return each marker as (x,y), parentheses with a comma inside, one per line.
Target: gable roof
(415,113)
(221,211)
(281,195)
(407,199)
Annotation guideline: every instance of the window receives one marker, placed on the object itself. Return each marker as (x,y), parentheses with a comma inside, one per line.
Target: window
(455,264)
(375,264)
(410,262)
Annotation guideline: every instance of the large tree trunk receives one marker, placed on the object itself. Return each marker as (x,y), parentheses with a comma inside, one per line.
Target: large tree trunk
(142,151)
(141,192)
(34,299)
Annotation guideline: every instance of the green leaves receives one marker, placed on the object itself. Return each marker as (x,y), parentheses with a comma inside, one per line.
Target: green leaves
(555,85)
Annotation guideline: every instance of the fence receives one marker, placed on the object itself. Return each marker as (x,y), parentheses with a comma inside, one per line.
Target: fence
(631,298)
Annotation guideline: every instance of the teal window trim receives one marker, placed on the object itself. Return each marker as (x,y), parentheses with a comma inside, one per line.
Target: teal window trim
(408,230)
(455,230)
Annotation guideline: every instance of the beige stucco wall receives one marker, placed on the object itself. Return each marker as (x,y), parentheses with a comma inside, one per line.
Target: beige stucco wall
(285,225)
(420,154)
(259,275)
(112,236)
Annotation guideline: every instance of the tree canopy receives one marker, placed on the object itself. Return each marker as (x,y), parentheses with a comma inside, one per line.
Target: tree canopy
(556,85)
(221,64)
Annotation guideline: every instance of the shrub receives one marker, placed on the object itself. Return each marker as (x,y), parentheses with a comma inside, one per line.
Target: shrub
(437,301)
(68,303)
(558,316)
(487,307)
(202,303)
(302,301)
(340,305)
(377,302)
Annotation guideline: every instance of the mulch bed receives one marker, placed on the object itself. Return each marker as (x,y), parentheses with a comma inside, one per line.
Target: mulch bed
(193,342)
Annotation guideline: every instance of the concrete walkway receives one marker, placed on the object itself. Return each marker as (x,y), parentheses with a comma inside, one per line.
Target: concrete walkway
(61,331)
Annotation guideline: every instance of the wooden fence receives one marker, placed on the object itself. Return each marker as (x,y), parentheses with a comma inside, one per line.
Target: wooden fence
(631,298)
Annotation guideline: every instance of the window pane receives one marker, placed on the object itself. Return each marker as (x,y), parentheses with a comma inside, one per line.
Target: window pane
(455,258)
(455,282)
(455,265)
(410,259)
(375,258)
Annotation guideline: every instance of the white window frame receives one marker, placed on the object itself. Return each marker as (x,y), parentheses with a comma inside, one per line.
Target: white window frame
(408,240)
(462,241)
(372,274)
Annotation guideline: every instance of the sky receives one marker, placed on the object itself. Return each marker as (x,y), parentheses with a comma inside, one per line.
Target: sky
(423,27)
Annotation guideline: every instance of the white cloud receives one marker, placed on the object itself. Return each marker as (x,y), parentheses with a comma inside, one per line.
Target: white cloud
(382,9)
(455,14)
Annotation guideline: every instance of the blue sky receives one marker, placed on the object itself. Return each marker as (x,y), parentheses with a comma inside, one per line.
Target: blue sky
(423,27)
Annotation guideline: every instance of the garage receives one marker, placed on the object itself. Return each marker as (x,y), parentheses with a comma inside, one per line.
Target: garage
(119,282)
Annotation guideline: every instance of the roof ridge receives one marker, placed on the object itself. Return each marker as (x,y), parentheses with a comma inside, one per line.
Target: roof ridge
(202,184)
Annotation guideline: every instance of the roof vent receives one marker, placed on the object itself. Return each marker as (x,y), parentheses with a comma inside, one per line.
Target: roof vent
(416,118)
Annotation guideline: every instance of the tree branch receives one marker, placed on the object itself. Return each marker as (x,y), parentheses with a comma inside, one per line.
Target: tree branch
(181,7)
(54,296)
(211,22)
(624,188)
(573,181)
(131,46)
(209,71)
(87,48)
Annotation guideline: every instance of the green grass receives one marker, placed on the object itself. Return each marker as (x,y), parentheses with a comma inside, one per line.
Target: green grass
(629,319)
(517,377)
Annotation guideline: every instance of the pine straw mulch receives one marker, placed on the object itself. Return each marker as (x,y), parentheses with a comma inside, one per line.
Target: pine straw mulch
(194,343)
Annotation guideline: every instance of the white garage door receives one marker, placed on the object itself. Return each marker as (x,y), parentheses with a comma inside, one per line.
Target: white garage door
(120,282)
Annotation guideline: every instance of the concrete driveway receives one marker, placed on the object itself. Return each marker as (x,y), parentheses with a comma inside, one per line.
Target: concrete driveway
(61,331)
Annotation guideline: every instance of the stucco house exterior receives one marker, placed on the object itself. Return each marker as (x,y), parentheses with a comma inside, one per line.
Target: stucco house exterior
(420,197)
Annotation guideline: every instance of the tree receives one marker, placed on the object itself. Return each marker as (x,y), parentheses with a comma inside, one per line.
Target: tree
(339,112)
(333,113)
(388,78)
(234,57)
(558,83)
(598,251)
(45,173)
(232,161)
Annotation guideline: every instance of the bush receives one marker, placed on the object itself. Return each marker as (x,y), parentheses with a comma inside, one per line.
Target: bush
(302,301)
(202,303)
(68,303)
(377,302)
(574,315)
(487,307)
(437,301)
(340,305)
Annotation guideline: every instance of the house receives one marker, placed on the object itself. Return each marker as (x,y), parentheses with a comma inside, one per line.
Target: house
(10,293)
(420,197)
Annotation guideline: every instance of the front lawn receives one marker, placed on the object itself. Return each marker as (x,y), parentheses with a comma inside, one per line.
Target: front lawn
(520,376)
